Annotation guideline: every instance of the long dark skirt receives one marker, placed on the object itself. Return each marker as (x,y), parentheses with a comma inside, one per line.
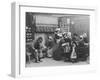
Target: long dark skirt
(83,53)
(58,53)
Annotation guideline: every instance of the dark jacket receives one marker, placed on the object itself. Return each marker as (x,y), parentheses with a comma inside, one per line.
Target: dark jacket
(37,45)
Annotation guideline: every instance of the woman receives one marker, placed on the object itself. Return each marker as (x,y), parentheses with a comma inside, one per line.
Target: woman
(83,48)
(67,46)
(58,52)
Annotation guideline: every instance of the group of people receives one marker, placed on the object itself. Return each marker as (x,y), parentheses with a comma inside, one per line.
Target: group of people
(63,46)
(71,47)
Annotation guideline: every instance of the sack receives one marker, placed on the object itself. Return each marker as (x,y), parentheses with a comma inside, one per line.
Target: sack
(49,52)
(40,54)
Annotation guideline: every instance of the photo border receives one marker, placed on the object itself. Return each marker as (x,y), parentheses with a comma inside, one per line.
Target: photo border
(16,53)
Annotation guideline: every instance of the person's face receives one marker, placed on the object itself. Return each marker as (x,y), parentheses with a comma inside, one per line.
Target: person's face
(41,40)
(69,35)
(81,38)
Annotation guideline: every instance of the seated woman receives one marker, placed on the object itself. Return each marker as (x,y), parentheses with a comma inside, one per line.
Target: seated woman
(83,48)
(49,44)
(58,52)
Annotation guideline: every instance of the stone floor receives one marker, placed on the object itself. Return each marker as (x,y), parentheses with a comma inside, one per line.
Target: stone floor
(51,62)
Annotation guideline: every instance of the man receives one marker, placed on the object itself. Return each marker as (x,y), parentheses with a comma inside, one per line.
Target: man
(58,35)
(38,49)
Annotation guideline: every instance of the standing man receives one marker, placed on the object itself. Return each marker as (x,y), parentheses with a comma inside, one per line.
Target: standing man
(58,35)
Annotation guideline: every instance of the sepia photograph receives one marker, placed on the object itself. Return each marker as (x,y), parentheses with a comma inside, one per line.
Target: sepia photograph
(54,39)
